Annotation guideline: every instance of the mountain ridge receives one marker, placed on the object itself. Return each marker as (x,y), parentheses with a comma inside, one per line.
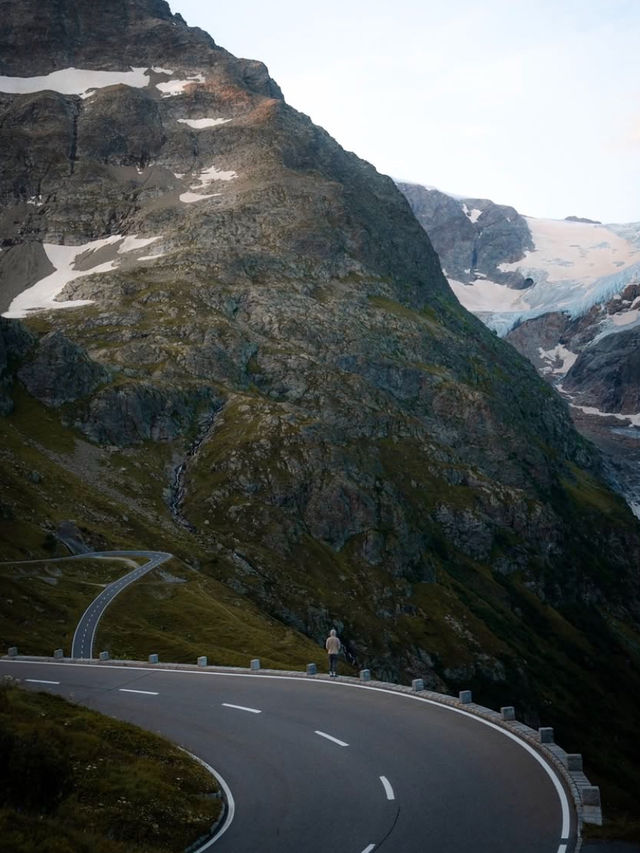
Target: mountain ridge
(270,350)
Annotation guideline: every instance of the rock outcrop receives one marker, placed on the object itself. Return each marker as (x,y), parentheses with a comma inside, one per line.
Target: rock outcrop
(472,237)
(15,343)
(60,371)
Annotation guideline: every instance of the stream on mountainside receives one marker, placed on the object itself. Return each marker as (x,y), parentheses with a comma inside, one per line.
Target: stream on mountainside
(177,488)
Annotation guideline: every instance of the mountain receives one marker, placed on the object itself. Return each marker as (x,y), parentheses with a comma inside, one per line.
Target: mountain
(227,336)
(576,319)
(508,268)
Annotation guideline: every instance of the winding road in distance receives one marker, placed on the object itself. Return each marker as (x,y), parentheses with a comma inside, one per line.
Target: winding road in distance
(316,765)
(84,635)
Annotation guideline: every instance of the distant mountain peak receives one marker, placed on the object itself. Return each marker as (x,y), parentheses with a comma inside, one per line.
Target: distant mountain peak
(583,219)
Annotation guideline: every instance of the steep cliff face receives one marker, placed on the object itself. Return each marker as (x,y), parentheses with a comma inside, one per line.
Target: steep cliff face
(593,361)
(576,320)
(258,315)
(473,237)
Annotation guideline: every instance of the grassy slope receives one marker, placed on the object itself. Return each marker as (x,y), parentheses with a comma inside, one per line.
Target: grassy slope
(74,780)
(574,667)
(41,603)
(190,615)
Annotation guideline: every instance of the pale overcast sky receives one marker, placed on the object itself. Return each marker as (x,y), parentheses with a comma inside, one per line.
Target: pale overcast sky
(534,103)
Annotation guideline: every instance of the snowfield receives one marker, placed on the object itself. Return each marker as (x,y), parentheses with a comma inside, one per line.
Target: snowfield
(574,266)
(577,251)
(84,82)
(74,81)
(42,295)
(200,123)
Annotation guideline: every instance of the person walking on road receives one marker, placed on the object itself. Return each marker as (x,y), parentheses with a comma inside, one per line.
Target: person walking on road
(332,645)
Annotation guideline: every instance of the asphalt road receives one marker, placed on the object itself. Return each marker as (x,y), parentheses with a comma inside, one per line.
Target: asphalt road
(321,766)
(84,635)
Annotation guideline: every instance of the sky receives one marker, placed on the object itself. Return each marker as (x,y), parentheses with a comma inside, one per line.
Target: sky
(533,103)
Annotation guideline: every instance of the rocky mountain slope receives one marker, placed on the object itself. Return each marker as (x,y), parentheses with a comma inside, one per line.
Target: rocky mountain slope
(508,268)
(576,319)
(225,334)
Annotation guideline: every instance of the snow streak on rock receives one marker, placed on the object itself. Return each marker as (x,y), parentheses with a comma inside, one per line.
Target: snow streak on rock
(72,262)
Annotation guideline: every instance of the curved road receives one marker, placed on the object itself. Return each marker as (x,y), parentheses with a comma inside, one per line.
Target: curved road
(84,635)
(324,766)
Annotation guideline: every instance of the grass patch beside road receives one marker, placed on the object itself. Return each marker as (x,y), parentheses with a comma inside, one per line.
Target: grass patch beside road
(41,602)
(180,614)
(75,781)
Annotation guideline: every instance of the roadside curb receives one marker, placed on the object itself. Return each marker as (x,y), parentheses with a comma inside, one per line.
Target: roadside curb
(220,826)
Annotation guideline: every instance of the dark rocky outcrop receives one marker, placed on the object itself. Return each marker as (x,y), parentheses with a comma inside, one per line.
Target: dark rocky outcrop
(472,237)
(583,219)
(131,414)
(15,343)
(607,373)
(61,372)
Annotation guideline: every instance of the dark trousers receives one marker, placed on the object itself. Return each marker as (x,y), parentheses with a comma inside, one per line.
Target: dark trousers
(333,663)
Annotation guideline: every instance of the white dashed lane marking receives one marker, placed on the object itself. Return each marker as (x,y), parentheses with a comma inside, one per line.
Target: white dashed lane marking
(241,708)
(369,848)
(41,681)
(387,788)
(331,738)
(145,692)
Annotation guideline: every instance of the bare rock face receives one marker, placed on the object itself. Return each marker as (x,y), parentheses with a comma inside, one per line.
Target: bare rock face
(451,232)
(130,414)
(15,343)
(472,237)
(607,373)
(60,371)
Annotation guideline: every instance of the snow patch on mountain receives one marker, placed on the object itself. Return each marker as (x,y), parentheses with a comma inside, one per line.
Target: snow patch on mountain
(474,214)
(191,198)
(205,178)
(171,88)
(632,419)
(557,361)
(72,262)
(573,266)
(200,123)
(74,81)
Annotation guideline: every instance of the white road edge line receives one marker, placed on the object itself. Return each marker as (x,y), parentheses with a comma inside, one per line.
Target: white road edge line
(387,788)
(331,738)
(231,806)
(241,708)
(146,692)
(41,681)
(369,848)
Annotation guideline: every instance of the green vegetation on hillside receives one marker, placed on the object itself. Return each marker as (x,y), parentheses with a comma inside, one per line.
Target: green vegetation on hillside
(42,602)
(74,781)
(180,614)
